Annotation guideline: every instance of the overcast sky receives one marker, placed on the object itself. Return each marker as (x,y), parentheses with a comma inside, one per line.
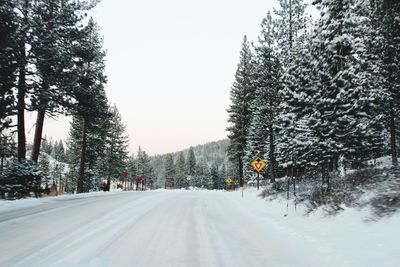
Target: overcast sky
(170,65)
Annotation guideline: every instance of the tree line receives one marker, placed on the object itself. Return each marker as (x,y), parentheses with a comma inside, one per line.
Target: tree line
(52,63)
(203,166)
(312,97)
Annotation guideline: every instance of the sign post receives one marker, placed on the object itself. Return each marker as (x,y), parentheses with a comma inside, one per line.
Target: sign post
(258,164)
(229,181)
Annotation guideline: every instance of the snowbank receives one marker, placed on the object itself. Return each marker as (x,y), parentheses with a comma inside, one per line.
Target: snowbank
(354,234)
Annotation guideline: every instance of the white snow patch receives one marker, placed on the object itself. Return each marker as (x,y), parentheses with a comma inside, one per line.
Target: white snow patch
(352,235)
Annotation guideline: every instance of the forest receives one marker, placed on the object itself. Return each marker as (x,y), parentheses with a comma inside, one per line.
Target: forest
(52,64)
(316,98)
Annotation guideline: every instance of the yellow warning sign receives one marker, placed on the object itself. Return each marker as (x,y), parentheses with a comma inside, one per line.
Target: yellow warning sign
(229,180)
(258,164)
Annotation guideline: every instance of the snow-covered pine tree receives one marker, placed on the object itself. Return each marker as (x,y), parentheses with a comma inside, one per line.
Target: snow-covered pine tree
(59,151)
(8,64)
(342,121)
(169,171)
(91,100)
(145,170)
(180,171)
(23,40)
(241,94)
(289,24)
(7,148)
(296,145)
(216,184)
(116,142)
(54,28)
(191,163)
(132,167)
(386,17)
(95,154)
(44,167)
(202,177)
(266,81)
(290,34)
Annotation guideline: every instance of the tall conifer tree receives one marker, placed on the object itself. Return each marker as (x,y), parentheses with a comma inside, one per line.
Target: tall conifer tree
(242,93)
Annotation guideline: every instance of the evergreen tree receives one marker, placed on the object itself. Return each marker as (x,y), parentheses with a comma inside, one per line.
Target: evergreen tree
(290,24)
(116,145)
(242,93)
(91,101)
(23,40)
(296,145)
(385,15)
(57,174)
(132,167)
(59,151)
(191,163)
(44,167)
(266,81)
(8,64)
(169,171)
(344,122)
(7,149)
(215,176)
(145,170)
(54,28)
(180,167)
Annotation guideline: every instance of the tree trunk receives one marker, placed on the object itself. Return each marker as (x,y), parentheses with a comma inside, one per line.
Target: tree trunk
(21,103)
(240,172)
(38,134)
(82,187)
(393,136)
(272,153)
(22,61)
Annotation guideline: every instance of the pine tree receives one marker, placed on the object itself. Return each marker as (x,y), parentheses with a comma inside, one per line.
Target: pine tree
(116,145)
(191,163)
(59,151)
(297,142)
(290,35)
(289,25)
(7,149)
(344,121)
(266,82)
(145,170)
(239,111)
(54,28)
(180,171)
(169,171)
(8,64)
(91,101)
(23,39)
(44,167)
(385,14)
(215,176)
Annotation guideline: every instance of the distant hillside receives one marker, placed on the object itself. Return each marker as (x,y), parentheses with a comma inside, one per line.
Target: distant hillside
(207,154)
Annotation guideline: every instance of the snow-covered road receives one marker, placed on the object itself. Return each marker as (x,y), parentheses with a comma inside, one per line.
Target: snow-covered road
(160,228)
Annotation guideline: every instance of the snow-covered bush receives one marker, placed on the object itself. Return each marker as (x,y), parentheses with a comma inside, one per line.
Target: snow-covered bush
(19,179)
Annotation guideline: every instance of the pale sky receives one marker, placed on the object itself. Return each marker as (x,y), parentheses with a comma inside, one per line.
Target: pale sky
(170,65)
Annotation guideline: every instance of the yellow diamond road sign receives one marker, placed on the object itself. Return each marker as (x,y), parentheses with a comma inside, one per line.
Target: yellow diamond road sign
(258,164)
(229,180)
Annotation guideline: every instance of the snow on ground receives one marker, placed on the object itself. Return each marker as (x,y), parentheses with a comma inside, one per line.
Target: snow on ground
(382,162)
(7,205)
(354,234)
(191,228)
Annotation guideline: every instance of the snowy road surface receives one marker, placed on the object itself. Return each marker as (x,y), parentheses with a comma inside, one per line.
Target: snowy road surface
(160,228)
